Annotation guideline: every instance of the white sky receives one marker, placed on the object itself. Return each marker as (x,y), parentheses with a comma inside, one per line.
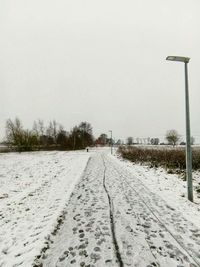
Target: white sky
(102,62)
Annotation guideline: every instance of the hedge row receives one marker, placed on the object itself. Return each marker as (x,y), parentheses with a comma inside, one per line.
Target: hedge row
(167,158)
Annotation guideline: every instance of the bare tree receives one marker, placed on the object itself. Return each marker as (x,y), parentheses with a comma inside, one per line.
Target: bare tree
(85,129)
(36,129)
(60,128)
(129,140)
(14,132)
(18,137)
(50,130)
(172,137)
(55,132)
(41,127)
(155,141)
(102,139)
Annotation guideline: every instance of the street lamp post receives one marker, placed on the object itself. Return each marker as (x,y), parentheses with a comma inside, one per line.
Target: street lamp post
(111,148)
(185,60)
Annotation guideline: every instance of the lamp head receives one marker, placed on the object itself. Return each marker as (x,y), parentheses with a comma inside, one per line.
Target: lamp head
(177,58)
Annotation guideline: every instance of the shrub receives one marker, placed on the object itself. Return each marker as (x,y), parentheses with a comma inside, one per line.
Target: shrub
(167,158)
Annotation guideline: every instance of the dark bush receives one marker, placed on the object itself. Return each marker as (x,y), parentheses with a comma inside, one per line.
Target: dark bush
(167,158)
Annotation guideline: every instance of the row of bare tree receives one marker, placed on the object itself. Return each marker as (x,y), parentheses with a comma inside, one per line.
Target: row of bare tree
(52,136)
(146,141)
(172,137)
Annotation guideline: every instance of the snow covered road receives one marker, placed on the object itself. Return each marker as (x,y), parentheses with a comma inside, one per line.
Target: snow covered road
(113,219)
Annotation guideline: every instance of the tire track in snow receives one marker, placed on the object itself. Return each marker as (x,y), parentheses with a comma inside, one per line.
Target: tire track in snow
(112,223)
(153,213)
(164,226)
(85,238)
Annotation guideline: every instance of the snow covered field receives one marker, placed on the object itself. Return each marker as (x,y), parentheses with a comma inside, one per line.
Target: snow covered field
(34,188)
(119,214)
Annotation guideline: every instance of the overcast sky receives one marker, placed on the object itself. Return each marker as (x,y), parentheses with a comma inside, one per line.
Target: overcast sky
(102,62)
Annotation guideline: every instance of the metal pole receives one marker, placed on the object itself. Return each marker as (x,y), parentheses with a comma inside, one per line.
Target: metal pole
(188,140)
